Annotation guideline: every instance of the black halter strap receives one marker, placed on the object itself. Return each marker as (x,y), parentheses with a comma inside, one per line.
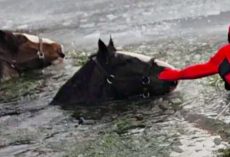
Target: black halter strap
(40,52)
(111,80)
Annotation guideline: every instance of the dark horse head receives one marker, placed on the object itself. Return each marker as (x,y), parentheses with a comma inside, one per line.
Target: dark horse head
(112,75)
(20,52)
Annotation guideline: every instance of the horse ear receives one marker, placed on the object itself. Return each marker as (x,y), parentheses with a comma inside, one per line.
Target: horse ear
(101,47)
(103,53)
(111,45)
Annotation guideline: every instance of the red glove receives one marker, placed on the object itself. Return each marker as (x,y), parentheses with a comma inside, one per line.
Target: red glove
(170,74)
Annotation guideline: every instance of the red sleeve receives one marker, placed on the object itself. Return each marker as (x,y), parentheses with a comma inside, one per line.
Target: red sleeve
(198,70)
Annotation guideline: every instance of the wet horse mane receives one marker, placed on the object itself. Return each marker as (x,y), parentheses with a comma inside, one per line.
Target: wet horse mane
(84,75)
(82,81)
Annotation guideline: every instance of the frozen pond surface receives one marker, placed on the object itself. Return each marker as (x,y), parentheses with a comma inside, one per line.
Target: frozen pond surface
(185,123)
(79,23)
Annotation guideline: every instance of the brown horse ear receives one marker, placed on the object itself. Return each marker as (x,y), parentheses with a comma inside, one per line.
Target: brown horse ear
(9,40)
(7,37)
(103,53)
(111,45)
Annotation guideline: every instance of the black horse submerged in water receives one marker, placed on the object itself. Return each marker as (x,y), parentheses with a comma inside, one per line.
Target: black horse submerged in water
(112,75)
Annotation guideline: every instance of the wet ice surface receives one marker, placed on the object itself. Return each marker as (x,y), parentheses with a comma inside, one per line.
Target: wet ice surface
(78,23)
(184,123)
(180,124)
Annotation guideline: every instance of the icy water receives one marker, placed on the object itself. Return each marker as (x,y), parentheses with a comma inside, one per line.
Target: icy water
(185,123)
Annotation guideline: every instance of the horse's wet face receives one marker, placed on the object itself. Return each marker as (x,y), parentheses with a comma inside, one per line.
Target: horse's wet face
(112,74)
(160,87)
(136,74)
(40,50)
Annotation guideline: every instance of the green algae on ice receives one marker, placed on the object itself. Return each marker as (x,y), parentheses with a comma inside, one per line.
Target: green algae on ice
(26,85)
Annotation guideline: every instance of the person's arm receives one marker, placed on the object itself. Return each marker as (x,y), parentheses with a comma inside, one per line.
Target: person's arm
(220,63)
(198,70)
(190,72)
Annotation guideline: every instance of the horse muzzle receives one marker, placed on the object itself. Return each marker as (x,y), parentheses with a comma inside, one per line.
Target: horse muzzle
(62,55)
(59,60)
(171,84)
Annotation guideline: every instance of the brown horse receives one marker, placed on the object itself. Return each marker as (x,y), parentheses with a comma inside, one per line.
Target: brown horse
(111,75)
(20,52)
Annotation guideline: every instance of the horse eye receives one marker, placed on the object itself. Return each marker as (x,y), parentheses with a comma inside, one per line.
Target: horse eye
(145,80)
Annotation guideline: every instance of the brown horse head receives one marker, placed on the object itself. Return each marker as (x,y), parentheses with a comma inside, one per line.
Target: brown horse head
(111,75)
(21,52)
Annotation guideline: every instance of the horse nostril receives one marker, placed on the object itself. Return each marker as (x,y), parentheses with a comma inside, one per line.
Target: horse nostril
(62,55)
(145,80)
(173,83)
